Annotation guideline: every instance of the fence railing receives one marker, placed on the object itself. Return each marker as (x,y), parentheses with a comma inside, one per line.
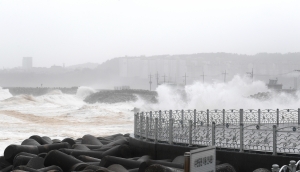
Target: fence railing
(253,130)
(292,167)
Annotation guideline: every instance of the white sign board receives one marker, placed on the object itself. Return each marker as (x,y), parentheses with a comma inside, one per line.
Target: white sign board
(203,159)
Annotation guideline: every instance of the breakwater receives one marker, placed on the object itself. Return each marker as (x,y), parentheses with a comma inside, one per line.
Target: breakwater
(115,153)
(89,154)
(45,154)
(38,91)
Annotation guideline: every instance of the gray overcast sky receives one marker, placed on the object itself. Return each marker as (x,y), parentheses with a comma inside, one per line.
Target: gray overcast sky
(73,32)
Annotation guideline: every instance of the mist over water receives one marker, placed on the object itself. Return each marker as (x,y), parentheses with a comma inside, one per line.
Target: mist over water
(234,94)
(60,115)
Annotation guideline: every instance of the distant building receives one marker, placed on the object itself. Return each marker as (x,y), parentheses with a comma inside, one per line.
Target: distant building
(273,84)
(27,63)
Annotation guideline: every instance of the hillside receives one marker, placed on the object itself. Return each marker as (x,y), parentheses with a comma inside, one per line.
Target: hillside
(84,66)
(134,71)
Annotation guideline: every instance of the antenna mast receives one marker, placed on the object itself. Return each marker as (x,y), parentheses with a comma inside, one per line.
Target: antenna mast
(164,78)
(157,78)
(202,77)
(225,76)
(150,82)
(185,78)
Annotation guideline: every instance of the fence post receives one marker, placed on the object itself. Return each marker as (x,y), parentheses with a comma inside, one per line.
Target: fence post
(150,122)
(171,131)
(141,126)
(274,140)
(182,118)
(241,116)
(155,130)
(207,116)
(213,134)
(159,124)
(135,123)
(190,132)
(223,116)
(277,116)
(147,127)
(275,168)
(258,116)
(292,166)
(138,125)
(195,117)
(170,127)
(241,137)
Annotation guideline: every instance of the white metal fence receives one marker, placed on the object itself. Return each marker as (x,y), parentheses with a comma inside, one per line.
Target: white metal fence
(292,167)
(252,130)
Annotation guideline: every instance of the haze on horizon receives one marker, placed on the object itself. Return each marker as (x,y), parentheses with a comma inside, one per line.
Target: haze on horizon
(74,32)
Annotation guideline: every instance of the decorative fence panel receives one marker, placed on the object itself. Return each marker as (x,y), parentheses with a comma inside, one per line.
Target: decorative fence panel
(201,118)
(232,116)
(288,139)
(228,136)
(268,116)
(258,137)
(215,116)
(288,116)
(202,135)
(251,116)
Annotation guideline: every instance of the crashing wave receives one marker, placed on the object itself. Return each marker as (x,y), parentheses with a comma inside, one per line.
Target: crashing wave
(4,94)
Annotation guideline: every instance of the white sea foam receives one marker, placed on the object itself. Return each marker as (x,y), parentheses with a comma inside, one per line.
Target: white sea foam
(234,94)
(84,91)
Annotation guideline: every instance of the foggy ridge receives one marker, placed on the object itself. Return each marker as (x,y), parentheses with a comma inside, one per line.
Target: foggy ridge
(134,71)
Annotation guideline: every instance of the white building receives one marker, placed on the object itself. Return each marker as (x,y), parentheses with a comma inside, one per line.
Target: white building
(27,62)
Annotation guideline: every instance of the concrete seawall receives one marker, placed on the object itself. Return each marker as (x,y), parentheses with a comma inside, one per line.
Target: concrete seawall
(242,161)
(38,91)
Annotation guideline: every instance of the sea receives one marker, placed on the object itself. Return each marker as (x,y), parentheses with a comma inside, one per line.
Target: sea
(58,115)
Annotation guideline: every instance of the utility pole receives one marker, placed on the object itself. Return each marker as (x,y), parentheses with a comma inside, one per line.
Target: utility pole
(251,74)
(164,78)
(150,82)
(296,81)
(185,78)
(225,75)
(157,78)
(202,77)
